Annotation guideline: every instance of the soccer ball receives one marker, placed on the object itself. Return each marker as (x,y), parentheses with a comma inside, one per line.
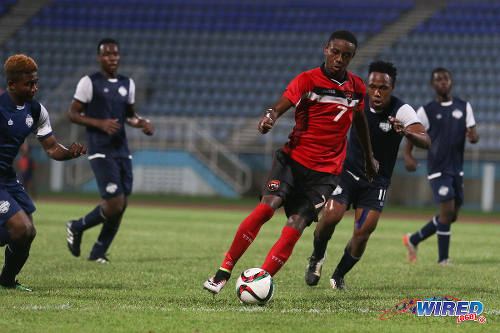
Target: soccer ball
(255,286)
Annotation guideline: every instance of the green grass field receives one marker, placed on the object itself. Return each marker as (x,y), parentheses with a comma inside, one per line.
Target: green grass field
(162,256)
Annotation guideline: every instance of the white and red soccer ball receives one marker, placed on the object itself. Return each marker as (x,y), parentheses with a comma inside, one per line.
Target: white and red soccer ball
(255,286)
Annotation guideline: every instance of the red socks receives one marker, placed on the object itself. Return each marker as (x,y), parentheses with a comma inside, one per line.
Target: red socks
(246,233)
(281,250)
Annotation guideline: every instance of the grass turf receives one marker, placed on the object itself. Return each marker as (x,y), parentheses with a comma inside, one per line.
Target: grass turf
(161,257)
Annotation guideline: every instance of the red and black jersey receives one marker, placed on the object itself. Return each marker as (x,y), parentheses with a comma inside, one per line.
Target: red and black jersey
(323,115)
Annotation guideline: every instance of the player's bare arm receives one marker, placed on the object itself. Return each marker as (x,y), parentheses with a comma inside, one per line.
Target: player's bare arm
(415,133)
(273,113)
(77,115)
(58,152)
(472,135)
(138,122)
(411,163)
(361,124)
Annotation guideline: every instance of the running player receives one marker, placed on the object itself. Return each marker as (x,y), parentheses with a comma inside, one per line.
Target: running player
(449,121)
(21,115)
(389,119)
(103,103)
(327,100)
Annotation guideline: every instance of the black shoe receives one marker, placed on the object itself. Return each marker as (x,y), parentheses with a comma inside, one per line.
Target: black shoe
(73,238)
(313,270)
(100,259)
(337,282)
(17,286)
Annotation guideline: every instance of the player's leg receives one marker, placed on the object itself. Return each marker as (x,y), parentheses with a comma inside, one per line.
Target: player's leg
(21,233)
(332,213)
(302,208)
(447,215)
(365,222)
(113,208)
(275,189)
(103,169)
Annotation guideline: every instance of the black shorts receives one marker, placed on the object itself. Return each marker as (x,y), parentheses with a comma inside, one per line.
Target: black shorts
(304,191)
(358,192)
(113,175)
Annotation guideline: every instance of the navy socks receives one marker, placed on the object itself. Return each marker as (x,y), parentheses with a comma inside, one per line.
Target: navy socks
(95,217)
(4,236)
(15,258)
(443,236)
(427,230)
(104,240)
(345,264)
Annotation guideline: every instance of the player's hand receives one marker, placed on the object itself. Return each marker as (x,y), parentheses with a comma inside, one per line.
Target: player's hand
(77,149)
(148,128)
(398,126)
(371,168)
(266,123)
(109,126)
(411,164)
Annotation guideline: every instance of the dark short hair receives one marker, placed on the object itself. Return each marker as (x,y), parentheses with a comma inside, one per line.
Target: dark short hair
(106,41)
(384,67)
(440,70)
(344,35)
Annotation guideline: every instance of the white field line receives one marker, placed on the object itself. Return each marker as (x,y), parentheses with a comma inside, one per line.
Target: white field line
(67,306)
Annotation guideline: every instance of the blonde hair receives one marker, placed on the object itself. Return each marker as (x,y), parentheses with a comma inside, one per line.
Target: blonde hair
(17,65)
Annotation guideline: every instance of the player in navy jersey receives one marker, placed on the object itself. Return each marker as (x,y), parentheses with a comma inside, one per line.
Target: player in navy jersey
(449,121)
(389,120)
(327,100)
(20,115)
(104,103)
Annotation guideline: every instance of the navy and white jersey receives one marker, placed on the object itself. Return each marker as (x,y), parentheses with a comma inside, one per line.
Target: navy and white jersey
(106,99)
(385,141)
(446,124)
(16,123)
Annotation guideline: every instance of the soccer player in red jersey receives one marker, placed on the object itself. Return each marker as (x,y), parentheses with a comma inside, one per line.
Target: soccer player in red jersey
(327,99)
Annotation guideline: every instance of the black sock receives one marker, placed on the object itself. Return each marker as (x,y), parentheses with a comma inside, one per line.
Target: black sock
(104,240)
(427,230)
(319,247)
(95,217)
(4,236)
(15,258)
(345,264)
(443,236)
(221,275)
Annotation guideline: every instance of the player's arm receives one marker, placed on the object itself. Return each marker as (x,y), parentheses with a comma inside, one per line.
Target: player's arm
(58,152)
(415,133)
(76,115)
(272,114)
(472,135)
(361,124)
(134,120)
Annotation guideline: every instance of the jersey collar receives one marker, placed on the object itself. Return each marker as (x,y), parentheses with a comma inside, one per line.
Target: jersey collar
(323,70)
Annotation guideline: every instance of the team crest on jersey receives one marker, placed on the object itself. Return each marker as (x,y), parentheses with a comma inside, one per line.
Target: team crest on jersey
(29,120)
(10,122)
(122,91)
(349,96)
(443,190)
(457,114)
(385,126)
(111,188)
(4,207)
(439,116)
(273,185)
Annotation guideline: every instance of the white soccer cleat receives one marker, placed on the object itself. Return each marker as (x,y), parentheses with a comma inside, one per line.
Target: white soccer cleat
(213,287)
(313,270)
(411,255)
(445,262)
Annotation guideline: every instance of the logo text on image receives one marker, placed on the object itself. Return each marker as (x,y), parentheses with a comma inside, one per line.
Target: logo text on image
(463,310)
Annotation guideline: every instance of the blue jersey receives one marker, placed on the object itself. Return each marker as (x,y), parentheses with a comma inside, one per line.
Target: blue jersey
(446,124)
(106,99)
(16,123)
(385,141)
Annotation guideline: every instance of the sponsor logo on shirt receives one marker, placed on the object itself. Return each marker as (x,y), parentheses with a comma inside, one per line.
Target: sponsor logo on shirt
(4,207)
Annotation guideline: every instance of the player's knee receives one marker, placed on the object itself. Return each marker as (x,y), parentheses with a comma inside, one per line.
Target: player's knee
(114,207)
(362,236)
(23,233)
